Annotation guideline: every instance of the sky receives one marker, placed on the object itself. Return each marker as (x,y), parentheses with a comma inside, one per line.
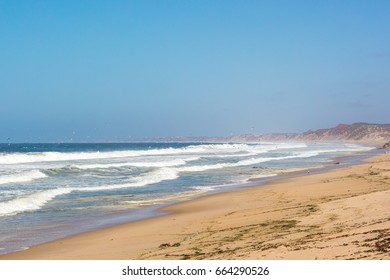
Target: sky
(103,70)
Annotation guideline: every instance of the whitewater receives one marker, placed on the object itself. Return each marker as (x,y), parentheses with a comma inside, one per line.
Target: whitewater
(49,191)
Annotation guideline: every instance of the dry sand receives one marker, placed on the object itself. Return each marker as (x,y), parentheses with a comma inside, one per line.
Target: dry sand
(340,214)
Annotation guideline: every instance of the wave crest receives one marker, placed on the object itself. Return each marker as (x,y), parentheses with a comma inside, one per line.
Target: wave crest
(22,177)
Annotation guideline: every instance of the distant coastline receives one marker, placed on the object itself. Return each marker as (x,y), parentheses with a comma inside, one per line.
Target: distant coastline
(359,133)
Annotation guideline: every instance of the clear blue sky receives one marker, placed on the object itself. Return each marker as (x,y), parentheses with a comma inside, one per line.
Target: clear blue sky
(90,70)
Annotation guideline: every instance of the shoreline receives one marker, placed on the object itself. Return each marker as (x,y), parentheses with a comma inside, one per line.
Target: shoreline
(104,220)
(178,217)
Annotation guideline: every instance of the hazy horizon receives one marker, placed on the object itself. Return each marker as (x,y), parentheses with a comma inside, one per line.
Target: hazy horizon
(79,71)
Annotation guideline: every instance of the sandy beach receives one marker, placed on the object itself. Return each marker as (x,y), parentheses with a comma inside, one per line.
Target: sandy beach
(340,214)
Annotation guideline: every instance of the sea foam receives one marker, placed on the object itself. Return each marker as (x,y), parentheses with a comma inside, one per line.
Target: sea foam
(37,200)
(22,177)
(209,149)
(30,202)
(165,164)
(17,158)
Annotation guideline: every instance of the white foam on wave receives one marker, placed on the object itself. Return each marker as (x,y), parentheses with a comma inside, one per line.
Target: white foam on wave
(175,162)
(153,177)
(164,199)
(208,149)
(16,158)
(30,202)
(238,182)
(37,200)
(244,150)
(252,161)
(359,147)
(199,168)
(219,150)
(246,162)
(352,148)
(22,177)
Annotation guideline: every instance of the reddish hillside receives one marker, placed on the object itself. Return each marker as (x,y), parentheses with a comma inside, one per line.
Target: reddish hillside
(356,132)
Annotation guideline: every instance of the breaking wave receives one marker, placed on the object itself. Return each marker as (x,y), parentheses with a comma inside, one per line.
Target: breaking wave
(165,164)
(37,200)
(210,149)
(22,177)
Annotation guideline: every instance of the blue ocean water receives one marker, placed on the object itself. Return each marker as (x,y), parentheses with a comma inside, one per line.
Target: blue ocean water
(48,191)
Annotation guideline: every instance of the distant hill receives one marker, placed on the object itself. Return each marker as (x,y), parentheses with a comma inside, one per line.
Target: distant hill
(364,133)
(355,132)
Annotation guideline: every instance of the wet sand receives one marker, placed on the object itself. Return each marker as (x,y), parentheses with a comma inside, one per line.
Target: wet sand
(340,214)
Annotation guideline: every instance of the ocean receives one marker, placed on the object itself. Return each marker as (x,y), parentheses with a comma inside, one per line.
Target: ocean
(49,191)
